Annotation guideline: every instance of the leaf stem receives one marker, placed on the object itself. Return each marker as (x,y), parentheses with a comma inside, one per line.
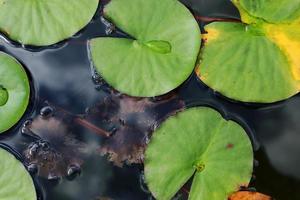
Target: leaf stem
(92,127)
(79,120)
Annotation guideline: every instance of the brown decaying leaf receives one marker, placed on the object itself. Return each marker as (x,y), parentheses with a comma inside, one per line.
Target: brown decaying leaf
(54,149)
(125,123)
(248,195)
(131,122)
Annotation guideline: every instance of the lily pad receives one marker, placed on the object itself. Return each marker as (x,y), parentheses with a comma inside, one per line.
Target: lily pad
(41,23)
(14,91)
(162,53)
(258,60)
(198,142)
(15,181)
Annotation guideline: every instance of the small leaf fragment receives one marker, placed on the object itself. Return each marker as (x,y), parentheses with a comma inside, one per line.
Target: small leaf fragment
(15,181)
(247,195)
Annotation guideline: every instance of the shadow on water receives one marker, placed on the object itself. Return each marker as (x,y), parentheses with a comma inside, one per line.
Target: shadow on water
(68,136)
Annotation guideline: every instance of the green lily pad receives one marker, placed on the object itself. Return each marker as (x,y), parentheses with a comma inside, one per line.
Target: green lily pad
(15,181)
(14,91)
(162,54)
(198,142)
(258,60)
(46,22)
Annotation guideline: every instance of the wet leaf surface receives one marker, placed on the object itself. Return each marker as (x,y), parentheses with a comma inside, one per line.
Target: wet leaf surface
(261,63)
(43,23)
(160,53)
(15,181)
(14,91)
(198,142)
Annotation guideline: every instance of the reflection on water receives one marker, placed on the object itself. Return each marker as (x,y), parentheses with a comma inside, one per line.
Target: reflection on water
(63,77)
(213,8)
(279,131)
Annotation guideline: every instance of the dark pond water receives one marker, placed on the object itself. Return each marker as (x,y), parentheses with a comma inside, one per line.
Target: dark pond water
(72,110)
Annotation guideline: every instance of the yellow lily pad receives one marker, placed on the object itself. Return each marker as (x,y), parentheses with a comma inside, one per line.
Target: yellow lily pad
(257,60)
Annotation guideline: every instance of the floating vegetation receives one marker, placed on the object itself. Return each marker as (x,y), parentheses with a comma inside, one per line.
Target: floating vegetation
(15,181)
(161,54)
(257,60)
(14,91)
(42,23)
(198,142)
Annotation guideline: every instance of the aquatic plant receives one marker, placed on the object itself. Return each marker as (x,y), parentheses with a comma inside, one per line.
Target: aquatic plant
(14,91)
(42,23)
(161,53)
(198,143)
(257,60)
(15,181)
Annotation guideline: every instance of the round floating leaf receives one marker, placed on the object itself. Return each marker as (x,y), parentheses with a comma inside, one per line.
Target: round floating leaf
(254,62)
(244,65)
(198,142)
(46,22)
(160,57)
(14,91)
(15,181)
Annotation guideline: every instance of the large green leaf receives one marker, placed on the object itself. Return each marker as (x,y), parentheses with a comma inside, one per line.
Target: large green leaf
(15,181)
(160,57)
(198,142)
(259,60)
(14,91)
(44,22)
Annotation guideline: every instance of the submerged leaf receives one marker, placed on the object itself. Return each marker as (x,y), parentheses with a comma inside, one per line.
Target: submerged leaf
(198,142)
(55,149)
(15,181)
(130,121)
(47,22)
(14,91)
(257,61)
(160,57)
(247,195)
